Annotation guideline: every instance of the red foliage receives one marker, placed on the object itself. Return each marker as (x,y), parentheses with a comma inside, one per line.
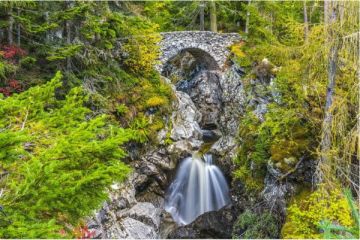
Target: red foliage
(12,51)
(5,90)
(62,232)
(83,232)
(15,84)
(12,54)
(12,87)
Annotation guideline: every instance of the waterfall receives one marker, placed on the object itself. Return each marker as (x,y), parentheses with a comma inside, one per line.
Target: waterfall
(199,187)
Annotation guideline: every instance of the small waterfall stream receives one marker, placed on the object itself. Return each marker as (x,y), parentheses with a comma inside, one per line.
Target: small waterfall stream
(199,187)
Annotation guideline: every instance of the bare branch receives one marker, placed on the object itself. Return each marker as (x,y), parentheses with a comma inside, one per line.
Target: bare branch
(24,122)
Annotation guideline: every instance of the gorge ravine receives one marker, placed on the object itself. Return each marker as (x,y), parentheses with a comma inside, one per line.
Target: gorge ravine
(207,105)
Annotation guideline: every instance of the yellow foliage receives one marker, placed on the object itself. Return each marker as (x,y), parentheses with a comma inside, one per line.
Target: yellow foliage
(157,125)
(306,213)
(156,101)
(240,56)
(236,49)
(143,52)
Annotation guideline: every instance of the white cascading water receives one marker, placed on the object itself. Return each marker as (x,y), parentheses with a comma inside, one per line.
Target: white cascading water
(199,187)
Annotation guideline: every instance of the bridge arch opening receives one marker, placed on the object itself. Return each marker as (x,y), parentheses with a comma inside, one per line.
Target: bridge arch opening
(189,61)
(196,72)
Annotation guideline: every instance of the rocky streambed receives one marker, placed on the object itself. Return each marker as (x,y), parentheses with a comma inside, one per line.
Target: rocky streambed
(207,108)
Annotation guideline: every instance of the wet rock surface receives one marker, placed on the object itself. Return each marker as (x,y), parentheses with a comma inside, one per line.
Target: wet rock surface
(185,119)
(209,225)
(205,91)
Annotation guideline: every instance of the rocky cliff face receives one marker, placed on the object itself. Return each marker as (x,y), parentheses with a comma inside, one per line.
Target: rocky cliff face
(207,106)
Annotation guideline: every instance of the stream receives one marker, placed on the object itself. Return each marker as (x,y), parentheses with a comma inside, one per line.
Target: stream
(199,187)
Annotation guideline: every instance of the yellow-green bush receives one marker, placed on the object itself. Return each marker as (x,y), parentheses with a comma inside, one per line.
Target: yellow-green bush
(141,47)
(306,212)
(155,101)
(252,182)
(239,55)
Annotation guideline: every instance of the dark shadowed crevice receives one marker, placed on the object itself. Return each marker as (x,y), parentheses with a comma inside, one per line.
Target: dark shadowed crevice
(189,61)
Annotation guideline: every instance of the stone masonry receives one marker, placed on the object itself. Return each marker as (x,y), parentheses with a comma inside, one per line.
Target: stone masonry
(209,46)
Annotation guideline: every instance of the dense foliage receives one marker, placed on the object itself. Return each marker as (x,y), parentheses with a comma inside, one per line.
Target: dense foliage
(295,74)
(57,160)
(61,140)
(255,225)
(307,212)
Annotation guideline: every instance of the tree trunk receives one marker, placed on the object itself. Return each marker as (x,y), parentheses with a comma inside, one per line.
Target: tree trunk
(358,75)
(47,38)
(18,30)
(11,27)
(326,127)
(271,22)
(213,21)
(306,23)
(324,165)
(68,37)
(247,18)
(68,42)
(341,12)
(326,11)
(202,22)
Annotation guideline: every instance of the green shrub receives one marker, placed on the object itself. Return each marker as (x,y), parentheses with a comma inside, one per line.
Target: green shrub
(59,161)
(283,138)
(27,62)
(122,109)
(250,225)
(252,153)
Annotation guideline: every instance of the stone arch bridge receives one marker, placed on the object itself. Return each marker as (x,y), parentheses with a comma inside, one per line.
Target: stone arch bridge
(208,47)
